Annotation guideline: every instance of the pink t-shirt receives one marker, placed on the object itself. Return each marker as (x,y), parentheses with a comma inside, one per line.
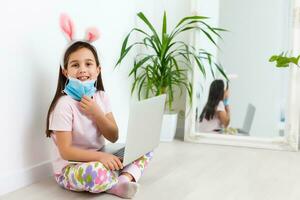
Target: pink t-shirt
(214,123)
(67,116)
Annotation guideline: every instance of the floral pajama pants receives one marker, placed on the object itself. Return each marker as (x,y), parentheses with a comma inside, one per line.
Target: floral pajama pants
(94,177)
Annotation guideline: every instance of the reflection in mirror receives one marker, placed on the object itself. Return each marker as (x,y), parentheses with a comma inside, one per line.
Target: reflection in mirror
(255,101)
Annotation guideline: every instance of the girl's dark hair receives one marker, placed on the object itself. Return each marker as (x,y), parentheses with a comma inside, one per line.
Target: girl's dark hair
(216,94)
(62,79)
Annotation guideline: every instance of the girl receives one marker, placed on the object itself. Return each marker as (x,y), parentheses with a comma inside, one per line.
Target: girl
(216,113)
(79,118)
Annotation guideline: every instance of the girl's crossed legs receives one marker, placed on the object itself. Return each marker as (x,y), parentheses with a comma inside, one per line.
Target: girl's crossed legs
(95,178)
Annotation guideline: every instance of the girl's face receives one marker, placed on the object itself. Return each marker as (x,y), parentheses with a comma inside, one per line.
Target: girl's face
(82,65)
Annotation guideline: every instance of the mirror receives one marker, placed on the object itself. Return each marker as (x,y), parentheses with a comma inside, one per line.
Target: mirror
(261,98)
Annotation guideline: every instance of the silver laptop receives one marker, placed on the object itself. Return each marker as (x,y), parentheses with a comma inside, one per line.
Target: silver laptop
(248,120)
(144,127)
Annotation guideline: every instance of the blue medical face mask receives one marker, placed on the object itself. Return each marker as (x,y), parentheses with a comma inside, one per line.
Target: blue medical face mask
(77,89)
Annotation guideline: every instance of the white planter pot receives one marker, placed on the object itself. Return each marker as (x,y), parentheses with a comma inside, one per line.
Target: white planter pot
(168,128)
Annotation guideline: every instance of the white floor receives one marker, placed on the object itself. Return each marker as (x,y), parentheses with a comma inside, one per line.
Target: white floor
(187,171)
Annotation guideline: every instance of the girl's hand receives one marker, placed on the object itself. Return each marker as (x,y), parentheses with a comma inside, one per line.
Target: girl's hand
(89,106)
(110,161)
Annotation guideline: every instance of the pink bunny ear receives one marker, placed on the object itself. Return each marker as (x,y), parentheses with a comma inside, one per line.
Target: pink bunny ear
(67,26)
(92,34)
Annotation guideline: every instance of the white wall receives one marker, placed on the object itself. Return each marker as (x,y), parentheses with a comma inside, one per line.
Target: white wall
(31,47)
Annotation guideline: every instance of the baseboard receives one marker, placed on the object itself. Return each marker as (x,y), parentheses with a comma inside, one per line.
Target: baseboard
(25,177)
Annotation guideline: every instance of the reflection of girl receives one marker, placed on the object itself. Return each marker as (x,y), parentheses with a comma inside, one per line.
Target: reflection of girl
(215,114)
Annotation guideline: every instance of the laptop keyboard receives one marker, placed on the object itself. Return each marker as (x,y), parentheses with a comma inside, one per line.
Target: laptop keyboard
(120,152)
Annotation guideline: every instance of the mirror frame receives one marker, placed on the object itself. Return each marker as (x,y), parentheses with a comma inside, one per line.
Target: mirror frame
(290,140)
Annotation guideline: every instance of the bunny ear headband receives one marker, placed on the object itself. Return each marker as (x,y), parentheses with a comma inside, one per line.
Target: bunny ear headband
(67,26)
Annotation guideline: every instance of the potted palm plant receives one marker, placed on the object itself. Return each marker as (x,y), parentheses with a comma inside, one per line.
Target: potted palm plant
(163,65)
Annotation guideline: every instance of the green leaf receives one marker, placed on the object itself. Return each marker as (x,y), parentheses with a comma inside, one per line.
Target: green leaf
(146,21)
(152,44)
(123,54)
(219,29)
(209,37)
(141,84)
(283,60)
(212,72)
(212,29)
(190,18)
(220,68)
(125,43)
(201,67)
(139,64)
(273,58)
(164,26)
(136,81)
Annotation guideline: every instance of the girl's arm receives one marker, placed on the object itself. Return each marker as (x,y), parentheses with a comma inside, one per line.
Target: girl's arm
(224,116)
(69,152)
(105,122)
(107,126)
